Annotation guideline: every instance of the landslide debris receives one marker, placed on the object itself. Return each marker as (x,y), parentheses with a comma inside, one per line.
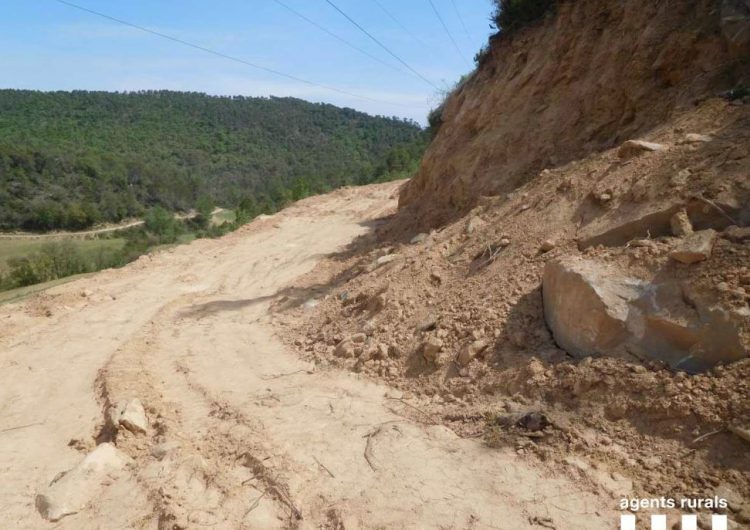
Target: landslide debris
(460,329)
(598,146)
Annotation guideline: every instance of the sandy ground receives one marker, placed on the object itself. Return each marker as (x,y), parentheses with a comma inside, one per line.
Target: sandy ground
(255,437)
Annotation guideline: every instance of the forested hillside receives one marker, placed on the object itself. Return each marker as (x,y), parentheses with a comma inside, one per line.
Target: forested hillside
(72,159)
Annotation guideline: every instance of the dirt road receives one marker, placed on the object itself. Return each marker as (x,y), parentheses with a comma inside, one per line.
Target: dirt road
(242,434)
(83,234)
(73,235)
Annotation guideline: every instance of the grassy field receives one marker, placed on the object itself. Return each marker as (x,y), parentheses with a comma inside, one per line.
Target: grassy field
(14,295)
(223,216)
(181,240)
(88,247)
(49,259)
(18,248)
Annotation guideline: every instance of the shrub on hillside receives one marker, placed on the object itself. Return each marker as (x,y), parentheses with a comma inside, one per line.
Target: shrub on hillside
(514,14)
(53,261)
(482,55)
(435,117)
(6,282)
(161,223)
(205,207)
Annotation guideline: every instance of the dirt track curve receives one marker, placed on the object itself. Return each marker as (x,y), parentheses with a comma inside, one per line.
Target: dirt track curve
(73,235)
(83,234)
(258,438)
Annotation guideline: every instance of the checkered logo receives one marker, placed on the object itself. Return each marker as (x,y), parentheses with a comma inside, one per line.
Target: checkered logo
(659,522)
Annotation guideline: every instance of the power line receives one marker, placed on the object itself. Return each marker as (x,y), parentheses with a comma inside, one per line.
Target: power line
(228,57)
(399,59)
(461,19)
(450,35)
(337,37)
(399,24)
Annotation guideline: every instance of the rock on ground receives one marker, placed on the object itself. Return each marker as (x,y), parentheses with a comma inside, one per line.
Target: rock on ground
(593,309)
(695,138)
(696,247)
(737,234)
(164,449)
(473,224)
(633,148)
(69,493)
(351,346)
(586,311)
(132,416)
(431,348)
(619,227)
(680,224)
(547,245)
(468,352)
(388,258)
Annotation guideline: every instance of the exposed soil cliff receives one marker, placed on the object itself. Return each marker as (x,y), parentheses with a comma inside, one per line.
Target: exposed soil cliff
(456,319)
(594,75)
(599,146)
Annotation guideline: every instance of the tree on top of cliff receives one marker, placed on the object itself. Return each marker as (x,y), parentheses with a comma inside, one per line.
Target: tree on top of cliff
(513,14)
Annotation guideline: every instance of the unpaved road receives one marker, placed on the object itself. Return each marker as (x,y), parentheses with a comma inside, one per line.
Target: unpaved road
(73,235)
(258,438)
(83,234)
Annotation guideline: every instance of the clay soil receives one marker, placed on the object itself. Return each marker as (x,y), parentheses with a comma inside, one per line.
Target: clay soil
(625,428)
(242,432)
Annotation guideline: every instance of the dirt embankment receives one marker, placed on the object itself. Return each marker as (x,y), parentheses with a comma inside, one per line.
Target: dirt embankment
(594,75)
(455,318)
(534,166)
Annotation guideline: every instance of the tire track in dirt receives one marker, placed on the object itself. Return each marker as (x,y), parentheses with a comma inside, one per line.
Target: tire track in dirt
(242,433)
(206,466)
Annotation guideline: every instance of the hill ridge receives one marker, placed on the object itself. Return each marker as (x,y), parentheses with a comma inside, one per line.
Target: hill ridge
(71,159)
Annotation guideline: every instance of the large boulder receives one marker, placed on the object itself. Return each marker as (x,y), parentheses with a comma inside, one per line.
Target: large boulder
(619,226)
(674,323)
(71,491)
(586,310)
(594,309)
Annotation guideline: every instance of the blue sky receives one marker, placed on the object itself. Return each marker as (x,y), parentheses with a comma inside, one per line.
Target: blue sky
(50,46)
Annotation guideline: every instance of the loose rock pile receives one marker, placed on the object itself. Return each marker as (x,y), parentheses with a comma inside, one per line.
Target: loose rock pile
(594,312)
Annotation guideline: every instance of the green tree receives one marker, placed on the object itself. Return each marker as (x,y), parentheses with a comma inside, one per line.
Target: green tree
(301,189)
(246,210)
(160,222)
(76,217)
(205,207)
(102,156)
(514,14)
